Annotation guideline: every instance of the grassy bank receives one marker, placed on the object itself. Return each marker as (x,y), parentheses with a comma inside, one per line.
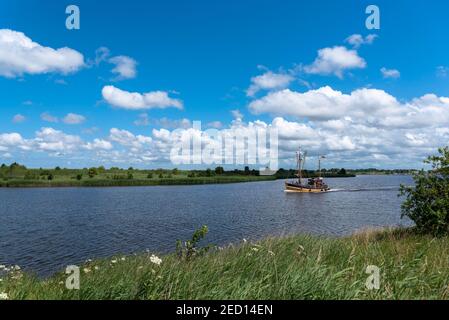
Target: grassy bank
(298,267)
(104,182)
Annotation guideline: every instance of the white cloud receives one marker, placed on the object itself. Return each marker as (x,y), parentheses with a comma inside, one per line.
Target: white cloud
(137,101)
(390,73)
(51,140)
(49,118)
(125,67)
(370,107)
(269,81)
(19,55)
(335,61)
(10,139)
(18,118)
(128,139)
(238,116)
(99,144)
(357,40)
(73,118)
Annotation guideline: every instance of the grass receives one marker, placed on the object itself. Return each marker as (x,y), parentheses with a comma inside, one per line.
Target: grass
(103,181)
(297,267)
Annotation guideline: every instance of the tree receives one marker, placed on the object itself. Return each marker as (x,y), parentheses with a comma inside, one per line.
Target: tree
(342,171)
(247,172)
(79,176)
(219,170)
(175,171)
(427,202)
(92,172)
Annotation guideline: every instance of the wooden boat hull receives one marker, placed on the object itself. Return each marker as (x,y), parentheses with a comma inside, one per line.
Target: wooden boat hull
(304,189)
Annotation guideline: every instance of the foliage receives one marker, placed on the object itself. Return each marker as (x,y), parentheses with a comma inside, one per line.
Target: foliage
(92,172)
(219,170)
(189,248)
(427,202)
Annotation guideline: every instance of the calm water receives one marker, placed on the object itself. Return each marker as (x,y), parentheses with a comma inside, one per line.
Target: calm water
(44,230)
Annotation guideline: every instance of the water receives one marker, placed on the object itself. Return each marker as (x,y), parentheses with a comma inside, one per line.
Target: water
(44,230)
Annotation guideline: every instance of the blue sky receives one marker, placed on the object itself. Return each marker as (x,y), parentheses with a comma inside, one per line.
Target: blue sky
(203,54)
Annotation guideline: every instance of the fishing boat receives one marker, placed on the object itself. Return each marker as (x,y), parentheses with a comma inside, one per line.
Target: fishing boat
(313,185)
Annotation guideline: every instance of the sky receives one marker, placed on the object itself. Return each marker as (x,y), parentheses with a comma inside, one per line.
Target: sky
(113,91)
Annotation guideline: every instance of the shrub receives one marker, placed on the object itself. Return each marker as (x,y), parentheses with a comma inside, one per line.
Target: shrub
(92,172)
(427,203)
(189,248)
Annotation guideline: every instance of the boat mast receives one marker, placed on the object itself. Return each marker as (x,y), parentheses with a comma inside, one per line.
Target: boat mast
(299,166)
(319,165)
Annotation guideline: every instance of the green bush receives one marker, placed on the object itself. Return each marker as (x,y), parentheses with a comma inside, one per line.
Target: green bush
(427,203)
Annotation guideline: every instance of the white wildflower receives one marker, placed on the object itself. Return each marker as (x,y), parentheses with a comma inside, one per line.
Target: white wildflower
(86,270)
(123,259)
(4,296)
(271,253)
(114,261)
(155,259)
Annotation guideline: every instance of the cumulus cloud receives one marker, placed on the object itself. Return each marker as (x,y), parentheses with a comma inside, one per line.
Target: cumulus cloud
(390,73)
(269,81)
(356,40)
(19,55)
(73,118)
(99,144)
(128,139)
(371,107)
(125,67)
(137,101)
(335,61)
(49,139)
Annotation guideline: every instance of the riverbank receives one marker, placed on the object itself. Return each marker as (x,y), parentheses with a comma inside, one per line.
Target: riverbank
(99,182)
(297,267)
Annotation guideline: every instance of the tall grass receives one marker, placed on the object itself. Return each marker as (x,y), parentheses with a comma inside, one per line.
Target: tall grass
(296,267)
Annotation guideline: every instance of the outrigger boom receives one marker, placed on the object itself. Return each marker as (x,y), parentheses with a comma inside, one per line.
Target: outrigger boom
(314,185)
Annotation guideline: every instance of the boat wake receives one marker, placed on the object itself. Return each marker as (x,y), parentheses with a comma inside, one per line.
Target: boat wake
(395,188)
